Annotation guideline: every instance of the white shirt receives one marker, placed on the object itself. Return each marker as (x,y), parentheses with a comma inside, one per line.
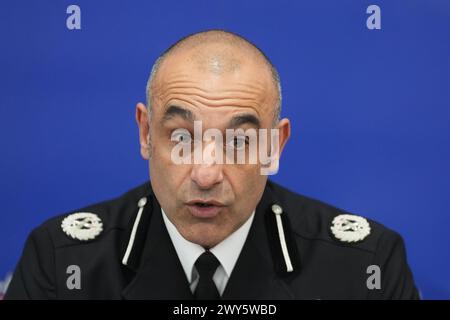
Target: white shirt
(227,252)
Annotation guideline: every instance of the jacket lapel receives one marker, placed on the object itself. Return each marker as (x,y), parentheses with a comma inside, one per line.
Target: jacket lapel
(160,274)
(254,275)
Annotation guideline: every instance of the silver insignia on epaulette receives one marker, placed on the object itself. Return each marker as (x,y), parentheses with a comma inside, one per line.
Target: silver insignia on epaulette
(82,226)
(350,228)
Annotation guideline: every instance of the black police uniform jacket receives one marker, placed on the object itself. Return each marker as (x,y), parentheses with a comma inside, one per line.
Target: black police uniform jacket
(323,266)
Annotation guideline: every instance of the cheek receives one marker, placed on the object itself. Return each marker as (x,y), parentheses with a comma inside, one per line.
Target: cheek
(162,147)
(244,178)
(164,171)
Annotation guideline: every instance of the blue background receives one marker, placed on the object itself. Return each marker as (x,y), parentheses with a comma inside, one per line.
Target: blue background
(369,108)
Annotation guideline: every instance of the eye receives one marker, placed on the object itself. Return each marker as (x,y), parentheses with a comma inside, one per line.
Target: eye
(238,142)
(181,136)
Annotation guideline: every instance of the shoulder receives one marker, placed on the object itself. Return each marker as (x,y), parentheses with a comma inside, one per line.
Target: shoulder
(314,220)
(111,215)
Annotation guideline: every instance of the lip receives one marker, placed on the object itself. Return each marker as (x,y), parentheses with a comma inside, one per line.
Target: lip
(212,209)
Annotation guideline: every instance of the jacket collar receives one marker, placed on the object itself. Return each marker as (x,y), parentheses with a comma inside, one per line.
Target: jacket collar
(159,273)
(255,275)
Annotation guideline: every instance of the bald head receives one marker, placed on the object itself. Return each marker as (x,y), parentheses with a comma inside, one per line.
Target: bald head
(218,52)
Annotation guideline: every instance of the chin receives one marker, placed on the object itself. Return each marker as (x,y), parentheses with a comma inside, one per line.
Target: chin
(205,237)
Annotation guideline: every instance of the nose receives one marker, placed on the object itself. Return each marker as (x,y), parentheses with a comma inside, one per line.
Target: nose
(207,173)
(206,176)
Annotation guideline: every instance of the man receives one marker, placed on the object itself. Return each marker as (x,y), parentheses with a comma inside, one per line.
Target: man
(211,229)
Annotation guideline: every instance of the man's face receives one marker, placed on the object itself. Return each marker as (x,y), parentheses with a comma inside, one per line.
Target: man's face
(207,201)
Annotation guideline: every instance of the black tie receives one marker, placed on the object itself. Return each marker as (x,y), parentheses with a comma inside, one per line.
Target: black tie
(206,266)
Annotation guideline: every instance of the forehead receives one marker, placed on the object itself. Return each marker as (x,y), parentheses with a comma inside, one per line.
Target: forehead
(216,78)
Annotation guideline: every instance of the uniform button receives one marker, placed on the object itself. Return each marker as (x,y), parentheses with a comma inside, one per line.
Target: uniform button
(142,202)
(277,209)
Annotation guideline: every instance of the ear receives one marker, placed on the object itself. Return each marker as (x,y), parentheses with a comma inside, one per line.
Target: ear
(284,129)
(142,119)
(282,134)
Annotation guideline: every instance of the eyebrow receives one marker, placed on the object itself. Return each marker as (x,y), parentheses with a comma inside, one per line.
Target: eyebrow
(237,121)
(176,111)
(245,118)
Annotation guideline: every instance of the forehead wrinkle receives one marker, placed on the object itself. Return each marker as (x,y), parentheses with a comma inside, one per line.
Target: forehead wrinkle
(229,95)
(171,79)
(195,84)
(195,100)
(195,105)
(239,92)
(234,97)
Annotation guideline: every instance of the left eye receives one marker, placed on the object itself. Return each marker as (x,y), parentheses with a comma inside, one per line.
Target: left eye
(181,135)
(238,142)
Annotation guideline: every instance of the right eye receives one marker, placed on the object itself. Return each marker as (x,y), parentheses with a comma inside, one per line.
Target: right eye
(238,142)
(181,135)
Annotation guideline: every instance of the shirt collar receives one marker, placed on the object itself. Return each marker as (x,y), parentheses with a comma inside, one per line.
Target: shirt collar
(227,251)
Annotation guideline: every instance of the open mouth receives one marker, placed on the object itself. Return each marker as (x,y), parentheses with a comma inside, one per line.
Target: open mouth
(204,205)
(204,209)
